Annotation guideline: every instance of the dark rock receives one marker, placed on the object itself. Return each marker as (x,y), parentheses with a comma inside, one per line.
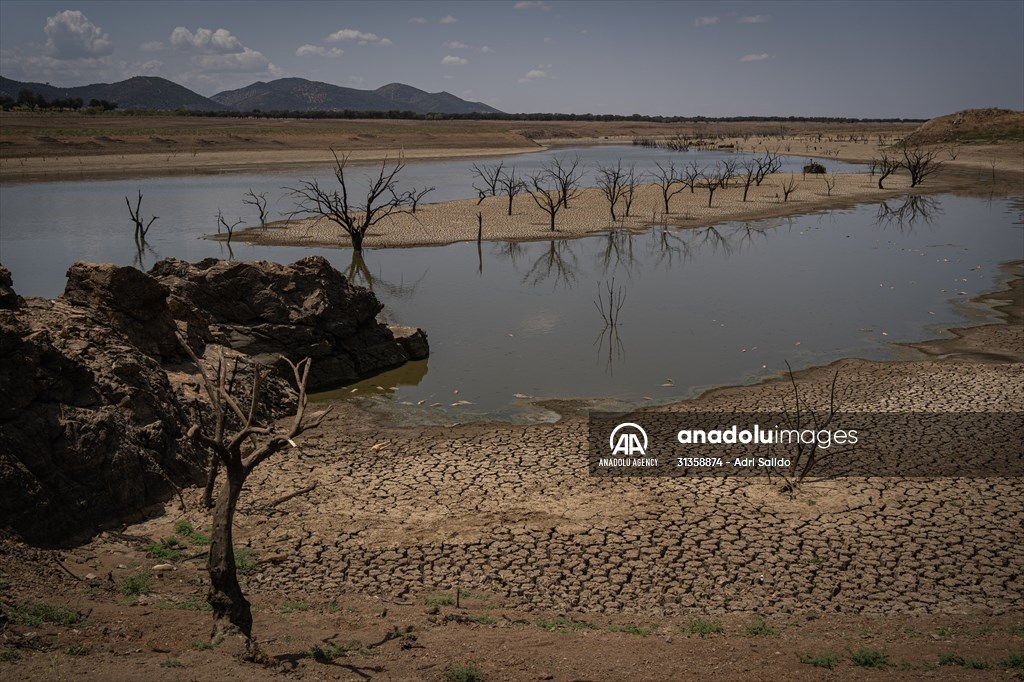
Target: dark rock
(306,309)
(8,299)
(412,339)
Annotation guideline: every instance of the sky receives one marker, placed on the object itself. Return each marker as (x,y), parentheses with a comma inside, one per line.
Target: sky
(859,59)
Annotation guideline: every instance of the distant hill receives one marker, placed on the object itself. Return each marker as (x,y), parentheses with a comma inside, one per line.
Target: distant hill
(972,125)
(299,94)
(140,92)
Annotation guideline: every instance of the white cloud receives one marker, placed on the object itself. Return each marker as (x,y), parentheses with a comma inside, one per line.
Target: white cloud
(454,61)
(349,34)
(205,41)
(755,57)
(152,46)
(755,19)
(487,50)
(70,35)
(533,74)
(531,4)
(705,21)
(455,45)
(418,20)
(448,20)
(246,61)
(319,51)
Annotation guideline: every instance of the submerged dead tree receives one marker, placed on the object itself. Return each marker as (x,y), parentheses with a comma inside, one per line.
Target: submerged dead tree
(140,229)
(239,442)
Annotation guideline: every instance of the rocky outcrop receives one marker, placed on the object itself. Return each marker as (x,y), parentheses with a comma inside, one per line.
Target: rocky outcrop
(98,393)
(306,309)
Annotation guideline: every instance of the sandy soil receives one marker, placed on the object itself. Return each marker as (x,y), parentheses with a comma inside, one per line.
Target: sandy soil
(563,575)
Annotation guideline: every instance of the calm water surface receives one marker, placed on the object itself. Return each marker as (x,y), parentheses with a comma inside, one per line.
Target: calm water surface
(512,322)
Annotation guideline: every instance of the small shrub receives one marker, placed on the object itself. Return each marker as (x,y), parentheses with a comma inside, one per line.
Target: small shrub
(246,561)
(78,650)
(951,659)
(171,663)
(200,645)
(1017,629)
(9,655)
(760,628)
(135,585)
(327,652)
(630,630)
(827,661)
(465,672)
(440,599)
(185,530)
(35,614)
(870,658)
(705,627)
(1013,661)
(168,549)
(483,619)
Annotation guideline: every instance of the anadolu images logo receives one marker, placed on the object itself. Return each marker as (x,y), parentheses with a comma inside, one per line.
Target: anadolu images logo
(628,442)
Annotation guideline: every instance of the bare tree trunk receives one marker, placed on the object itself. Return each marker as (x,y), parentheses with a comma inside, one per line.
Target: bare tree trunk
(357,241)
(231,611)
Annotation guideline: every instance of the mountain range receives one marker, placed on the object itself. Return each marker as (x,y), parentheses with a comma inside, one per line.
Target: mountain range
(283,94)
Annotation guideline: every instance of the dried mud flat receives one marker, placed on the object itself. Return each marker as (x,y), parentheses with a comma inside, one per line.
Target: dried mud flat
(562,575)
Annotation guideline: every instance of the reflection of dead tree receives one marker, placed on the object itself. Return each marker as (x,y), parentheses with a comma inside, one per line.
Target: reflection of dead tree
(913,209)
(712,236)
(260,202)
(616,351)
(240,442)
(669,246)
(618,250)
(616,299)
(359,273)
(140,229)
(557,262)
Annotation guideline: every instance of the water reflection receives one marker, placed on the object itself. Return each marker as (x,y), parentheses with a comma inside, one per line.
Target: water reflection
(913,209)
(359,274)
(557,263)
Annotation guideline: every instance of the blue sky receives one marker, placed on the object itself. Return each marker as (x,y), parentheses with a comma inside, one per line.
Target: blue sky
(860,59)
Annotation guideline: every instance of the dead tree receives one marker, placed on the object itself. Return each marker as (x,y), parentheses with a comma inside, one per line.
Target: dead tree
(920,163)
(666,179)
(767,164)
(260,202)
(567,174)
(807,456)
(230,228)
(240,442)
(412,197)
(488,178)
(629,185)
(886,165)
(747,176)
(691,175)
(610,180)
(789,187)
(355,220)
(512,185)
(547,194)
(830,183)
(712,181)
(140,229)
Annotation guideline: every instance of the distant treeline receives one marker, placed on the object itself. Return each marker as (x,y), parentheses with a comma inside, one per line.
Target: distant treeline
(27,100)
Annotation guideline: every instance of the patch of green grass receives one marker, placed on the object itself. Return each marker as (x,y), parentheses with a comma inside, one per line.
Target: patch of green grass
(1017,629)
(246,561)
(562,624)
(463,672)
(294,606)
(168,549)
(980,631)
(171,663)
(870,658)
(35,614)
(9,655)
(816,560)
(327,652)
(1014,661)
(760,628)
(78,650)
(949,658)
(200,645)
(827,661)
(705,627)
(439,599)
(185,530)
(483,619)
(134,585)
(631,630)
